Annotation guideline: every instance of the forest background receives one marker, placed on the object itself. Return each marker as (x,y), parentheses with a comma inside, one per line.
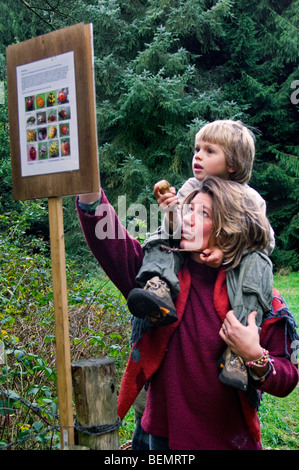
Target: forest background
(163,68)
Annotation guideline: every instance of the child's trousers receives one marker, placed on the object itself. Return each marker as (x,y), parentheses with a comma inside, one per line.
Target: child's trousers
(161,263)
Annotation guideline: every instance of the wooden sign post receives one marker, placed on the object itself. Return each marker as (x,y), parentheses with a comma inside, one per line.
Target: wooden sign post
(53,136)
(63,357)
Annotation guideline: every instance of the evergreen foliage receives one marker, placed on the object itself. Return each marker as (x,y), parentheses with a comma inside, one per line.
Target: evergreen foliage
(162,69)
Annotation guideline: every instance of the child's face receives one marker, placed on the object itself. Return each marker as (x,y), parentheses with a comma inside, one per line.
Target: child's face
(209,160)
(198,223)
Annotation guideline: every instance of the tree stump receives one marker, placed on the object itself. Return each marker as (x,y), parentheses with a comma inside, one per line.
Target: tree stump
(96,403)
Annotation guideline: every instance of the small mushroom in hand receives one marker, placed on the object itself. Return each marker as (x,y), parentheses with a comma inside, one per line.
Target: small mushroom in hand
(164,186)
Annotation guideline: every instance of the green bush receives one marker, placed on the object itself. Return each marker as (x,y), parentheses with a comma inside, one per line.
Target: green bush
(99,325)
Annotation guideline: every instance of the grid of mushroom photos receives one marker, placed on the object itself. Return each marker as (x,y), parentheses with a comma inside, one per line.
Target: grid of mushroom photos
(48,125)
(47,111)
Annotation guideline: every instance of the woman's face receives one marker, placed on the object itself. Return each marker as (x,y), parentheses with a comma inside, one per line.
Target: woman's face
(197,223)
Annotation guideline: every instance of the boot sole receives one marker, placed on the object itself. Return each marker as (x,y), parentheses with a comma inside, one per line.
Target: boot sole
(142,304)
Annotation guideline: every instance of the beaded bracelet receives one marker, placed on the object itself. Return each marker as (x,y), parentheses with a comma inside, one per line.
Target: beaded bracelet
(262,361)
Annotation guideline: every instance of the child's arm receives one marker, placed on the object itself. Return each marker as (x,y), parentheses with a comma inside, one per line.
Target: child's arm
(171,204)
(168,201)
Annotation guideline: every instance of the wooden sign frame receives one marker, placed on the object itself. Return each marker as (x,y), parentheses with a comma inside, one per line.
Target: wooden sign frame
(31,65)
(76,39)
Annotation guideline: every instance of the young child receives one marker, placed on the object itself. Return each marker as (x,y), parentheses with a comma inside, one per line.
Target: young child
(223,148)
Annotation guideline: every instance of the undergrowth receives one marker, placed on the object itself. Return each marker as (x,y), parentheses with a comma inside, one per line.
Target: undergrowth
(99,324)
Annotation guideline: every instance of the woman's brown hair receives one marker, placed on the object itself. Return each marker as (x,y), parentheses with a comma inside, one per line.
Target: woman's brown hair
(239,225)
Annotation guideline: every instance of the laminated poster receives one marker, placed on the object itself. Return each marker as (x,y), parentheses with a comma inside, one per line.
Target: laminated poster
(48,127)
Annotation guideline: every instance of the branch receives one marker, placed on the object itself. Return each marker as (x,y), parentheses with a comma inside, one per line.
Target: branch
(37,14)
(50,9)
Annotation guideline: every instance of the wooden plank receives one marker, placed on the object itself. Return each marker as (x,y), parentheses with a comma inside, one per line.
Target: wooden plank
(63,359)
(78,39)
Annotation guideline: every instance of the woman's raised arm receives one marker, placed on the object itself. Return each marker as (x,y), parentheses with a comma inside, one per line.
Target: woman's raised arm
(119,254)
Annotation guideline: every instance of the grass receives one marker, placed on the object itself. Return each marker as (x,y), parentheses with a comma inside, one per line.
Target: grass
(280,416)
(98,324)
(288,286)
(127,429)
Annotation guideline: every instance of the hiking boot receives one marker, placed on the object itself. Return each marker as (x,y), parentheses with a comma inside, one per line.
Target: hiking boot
(153,301)
(233,370)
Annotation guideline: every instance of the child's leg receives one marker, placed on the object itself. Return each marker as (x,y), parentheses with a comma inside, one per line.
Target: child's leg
(160,285)
(165,265)
(254,271)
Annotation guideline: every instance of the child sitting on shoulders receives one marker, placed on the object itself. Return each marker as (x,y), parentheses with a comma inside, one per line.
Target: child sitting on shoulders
(225,149)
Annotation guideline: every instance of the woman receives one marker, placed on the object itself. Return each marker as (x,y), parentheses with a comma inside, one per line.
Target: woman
(188,407)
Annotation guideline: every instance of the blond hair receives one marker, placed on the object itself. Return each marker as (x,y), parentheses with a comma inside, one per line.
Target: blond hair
(238,222)
(237,142)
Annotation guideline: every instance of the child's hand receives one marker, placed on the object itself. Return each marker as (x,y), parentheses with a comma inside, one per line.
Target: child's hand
(168,200)
(213,257)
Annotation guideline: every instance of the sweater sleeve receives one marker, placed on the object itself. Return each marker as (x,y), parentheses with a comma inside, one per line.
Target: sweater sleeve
(285,378)
(119,254)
